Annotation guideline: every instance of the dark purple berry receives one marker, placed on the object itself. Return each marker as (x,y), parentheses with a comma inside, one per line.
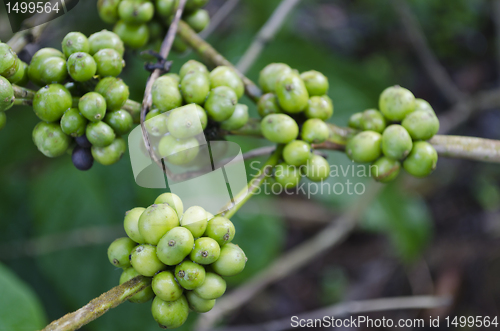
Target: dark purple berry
(82,141)
(82,158)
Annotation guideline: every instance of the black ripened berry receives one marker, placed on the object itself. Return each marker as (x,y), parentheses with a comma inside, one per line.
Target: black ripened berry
(83,141)
(82,158)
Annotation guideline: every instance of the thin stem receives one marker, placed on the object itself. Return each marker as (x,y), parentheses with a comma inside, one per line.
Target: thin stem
(23,92)
(23,102)
(98,306)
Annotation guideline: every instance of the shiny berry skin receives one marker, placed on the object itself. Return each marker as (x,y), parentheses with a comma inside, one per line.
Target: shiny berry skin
(202,114)
(114,91)
(53,70)
(231,262)
(82,141)
(198,304)
(198,20)
(50,102)
(195,220)
(292,93)
(136,12)
(179,45)
(156,221)
(279,128)
(174,76)
(110,154)
(373,120)
(288,176)
(237,120)
(317,168)
(173,201)
(315,131)
(36,66)
(268,104)
(119,251)
(73,123)
(195,87)
(170,314)
(3,120)
(396,142)
(50,139)
(421,104)
(396,102)
(220,229)
(174,246)
(92,106)
(316,83)
(100,134)
(133,35)
(6,94)
(297,152)
(81,66)
(166,8)
(105,39)
(166,94)
(142,296)
(82,158)
(364,147)
(421,125)
(221,103)
(270,74)
(21,76)
(184,122)
(192,66)
(385,169)
(156,123)
(120,121)
(192,5)
(319,107)
(108,62)
(227,76)
(166,287)
(205,251)
(422,159)
(190,275)
(108,10)
(131,224)
(144,260)
(75,42)
(178,151)
(9,62)
(212,288)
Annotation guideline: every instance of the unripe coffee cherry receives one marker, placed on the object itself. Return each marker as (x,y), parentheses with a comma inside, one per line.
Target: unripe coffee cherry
(297,152)
(105,39)
(156,30)
(364,147)
(212,288)
(133,35)
(51,101)
(166,94)
(120,121)
(114,91)
(52,70)
(356,121)
(175,245)
(170,314)
(136,12)
(268,104)
(373,120)
(316,83)
(108,10)
(142,296)
(93,106)
(287,175)
(109,62)
(205,251)
(421,125)
(192,66)
(50,139)
(385,169)
(21,77)
(195,87)
(172,200)
(9,63)
(198,304)
(396,102)
(421,104)
(184,122)
(73,123)
(131,224)
(226,76)
(156,123)
(3,120)
(192,5)
(144,260)
(422,159)
(82,158)
(35,68)
(100,134)
(178,151)
(279,128)
(231,262)
(292,93)
(220,229)
(396,142)
(317,168)
(81,66)
(195,220)
(165,8)
(166,287)
(119,251)
(237,120)
(270,74)
(110,154)
(6,94)
(75,42)
(179,45)
(198,20)
(319,107)
(156,221)
(315,131)
(221,103)
(190,275)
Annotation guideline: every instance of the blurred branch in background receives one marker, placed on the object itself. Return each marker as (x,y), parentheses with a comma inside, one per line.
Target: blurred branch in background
(219,17)
(266,34)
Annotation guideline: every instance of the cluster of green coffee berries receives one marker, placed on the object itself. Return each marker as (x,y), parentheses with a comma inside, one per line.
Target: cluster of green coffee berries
(294,110)
(138,22)
(185,253)
(210,97)
(386,143)
(80,102)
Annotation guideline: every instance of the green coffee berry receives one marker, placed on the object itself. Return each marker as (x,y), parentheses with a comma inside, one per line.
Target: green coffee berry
(385,169)
(21,76)
(195,87)
(51,101)
(73,123)
(192,5)
(166,94)
(364,147)
(237,120)
(9,62)
(315,131)
(50,139)
(135,12)
(279,128)
(6,94)
(226,76)
(100,134)
(156,125)
(202,114)
(396,102)
(142,296)
(110,154)
(144,260)
(268,104)
(231,262)
(184,122)
(373,120)
(421,125)
(173,201)
(108,62)
(166,8)
(174,76)
(198,304)
(205,251)
(108,10)
(198,20)
(316,83)
(195,220)
(319,107)
(3,120)
(120,121)
(221,103)
(210,216)
(119,251)
(178,151)
(114,90)
(287,175)
(270,74)
(422,159)
(292,93)
(421,104)
(396,142)
(192,66)
(175,245)
(75,42)
(53,70)
(93,106)
(212,288)
(317,168)
(166,287)
(220,229)
(179,45)
(133,35)
(156,30)
(131,224)
(170,314)
(105,39)
(81,66)
(190,275)
(156,221)
(297,152)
